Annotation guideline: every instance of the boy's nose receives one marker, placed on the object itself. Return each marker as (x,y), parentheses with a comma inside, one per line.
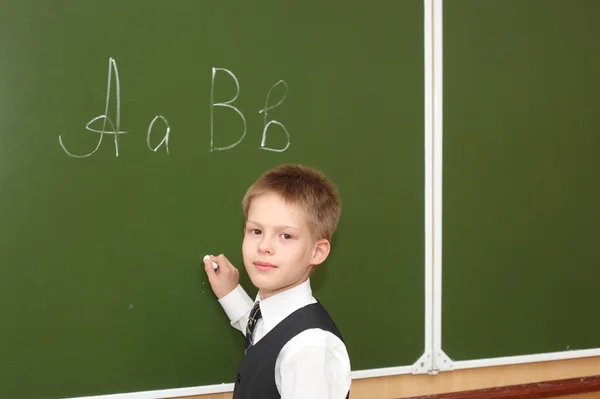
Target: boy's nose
(265,248)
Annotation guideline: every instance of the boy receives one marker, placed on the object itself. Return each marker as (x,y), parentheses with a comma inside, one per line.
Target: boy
(293,349)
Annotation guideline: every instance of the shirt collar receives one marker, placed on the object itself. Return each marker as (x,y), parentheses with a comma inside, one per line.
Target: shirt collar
(279,306)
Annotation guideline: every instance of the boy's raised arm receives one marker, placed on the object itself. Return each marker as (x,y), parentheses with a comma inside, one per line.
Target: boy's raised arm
(224,282)
(237,305)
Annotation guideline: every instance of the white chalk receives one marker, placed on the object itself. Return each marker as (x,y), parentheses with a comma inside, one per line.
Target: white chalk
(215,265)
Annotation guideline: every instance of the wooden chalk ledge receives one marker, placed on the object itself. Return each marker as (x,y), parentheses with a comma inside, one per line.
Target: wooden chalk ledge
(539,390)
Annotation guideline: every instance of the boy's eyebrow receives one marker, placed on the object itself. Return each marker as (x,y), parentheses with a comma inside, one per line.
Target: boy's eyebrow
(280,227)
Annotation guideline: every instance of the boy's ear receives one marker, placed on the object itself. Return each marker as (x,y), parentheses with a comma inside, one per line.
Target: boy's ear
(321,251)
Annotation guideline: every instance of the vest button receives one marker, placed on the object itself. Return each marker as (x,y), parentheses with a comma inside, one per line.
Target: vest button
(239,378)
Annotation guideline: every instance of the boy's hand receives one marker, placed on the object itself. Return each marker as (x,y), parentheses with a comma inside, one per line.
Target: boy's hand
(224,279)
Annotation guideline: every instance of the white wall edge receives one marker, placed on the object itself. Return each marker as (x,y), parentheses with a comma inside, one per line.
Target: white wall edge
(437,183)
(429,190)
(382,372)
(166,393)
(534,358)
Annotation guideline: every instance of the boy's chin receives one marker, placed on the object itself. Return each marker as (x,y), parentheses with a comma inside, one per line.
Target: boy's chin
(266,284)
(261,281)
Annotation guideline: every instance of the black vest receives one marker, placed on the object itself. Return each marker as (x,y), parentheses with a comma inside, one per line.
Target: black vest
(256,371)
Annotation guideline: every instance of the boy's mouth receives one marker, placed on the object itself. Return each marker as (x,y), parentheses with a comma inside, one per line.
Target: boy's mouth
(264,266)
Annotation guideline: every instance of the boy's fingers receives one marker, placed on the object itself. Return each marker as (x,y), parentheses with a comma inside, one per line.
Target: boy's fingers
(209,269)
(210,260)
(222,261)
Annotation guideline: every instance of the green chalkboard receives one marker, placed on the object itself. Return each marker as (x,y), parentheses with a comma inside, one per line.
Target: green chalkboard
(521,190)
(101,285)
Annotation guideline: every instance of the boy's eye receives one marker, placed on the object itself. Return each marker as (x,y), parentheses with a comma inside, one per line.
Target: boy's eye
(255,231)
(286,236)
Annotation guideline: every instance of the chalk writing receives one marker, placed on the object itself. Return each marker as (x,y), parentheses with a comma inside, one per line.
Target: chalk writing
(267,124)
(224,104)
(115,129)
(165,139)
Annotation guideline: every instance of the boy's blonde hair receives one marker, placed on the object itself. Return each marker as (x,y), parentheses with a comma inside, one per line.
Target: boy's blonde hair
(303,186)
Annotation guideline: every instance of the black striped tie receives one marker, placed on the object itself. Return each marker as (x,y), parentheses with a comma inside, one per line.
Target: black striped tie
(253,318)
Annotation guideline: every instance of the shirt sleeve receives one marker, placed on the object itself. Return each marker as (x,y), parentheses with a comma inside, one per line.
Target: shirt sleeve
(314,364)
(237,305)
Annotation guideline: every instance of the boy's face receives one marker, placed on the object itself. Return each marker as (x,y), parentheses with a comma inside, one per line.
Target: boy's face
(278,248)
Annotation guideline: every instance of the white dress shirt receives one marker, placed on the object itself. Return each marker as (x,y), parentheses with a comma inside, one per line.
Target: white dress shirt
(314,364)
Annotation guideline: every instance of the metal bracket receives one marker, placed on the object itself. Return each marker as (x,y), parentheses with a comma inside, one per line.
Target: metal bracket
(423,365)
(441,362)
